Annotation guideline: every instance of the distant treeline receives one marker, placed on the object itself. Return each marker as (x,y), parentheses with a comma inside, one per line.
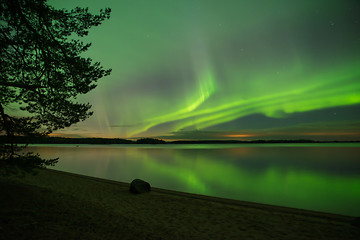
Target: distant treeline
(61,140)
(254,141)
(242,141)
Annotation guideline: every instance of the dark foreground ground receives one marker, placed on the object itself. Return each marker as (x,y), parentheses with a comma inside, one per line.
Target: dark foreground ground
(57,205)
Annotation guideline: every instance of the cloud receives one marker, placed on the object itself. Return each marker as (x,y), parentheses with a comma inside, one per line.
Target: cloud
(340,130)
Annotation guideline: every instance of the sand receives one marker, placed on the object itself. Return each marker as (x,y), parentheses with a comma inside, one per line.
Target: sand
(58,205)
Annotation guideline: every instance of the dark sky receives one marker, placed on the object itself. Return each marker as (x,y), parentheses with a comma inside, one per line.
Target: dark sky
(226,69)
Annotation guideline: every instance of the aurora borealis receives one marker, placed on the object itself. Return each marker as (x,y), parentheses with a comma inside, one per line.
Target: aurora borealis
(228,69)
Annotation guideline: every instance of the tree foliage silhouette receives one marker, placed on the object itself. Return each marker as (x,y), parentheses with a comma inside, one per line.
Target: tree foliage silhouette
(42,71)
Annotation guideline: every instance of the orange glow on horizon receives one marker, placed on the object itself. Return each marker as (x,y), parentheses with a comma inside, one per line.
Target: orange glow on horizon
(68,135)
(239,135)
(56,135)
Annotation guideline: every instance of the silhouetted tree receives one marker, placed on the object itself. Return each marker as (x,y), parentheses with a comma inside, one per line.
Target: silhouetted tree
(42,71)
(150,141)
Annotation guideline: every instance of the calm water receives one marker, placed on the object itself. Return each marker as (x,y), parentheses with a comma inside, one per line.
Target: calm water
(322,177)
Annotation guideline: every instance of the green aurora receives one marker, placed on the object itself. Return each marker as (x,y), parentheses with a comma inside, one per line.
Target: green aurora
(182,68)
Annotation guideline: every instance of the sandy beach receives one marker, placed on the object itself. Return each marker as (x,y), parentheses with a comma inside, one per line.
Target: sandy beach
(58,205)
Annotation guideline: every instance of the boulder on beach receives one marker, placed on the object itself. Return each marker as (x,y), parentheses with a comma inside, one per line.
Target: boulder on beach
(139,186)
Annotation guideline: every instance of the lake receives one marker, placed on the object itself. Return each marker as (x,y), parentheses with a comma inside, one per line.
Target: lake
(321,177)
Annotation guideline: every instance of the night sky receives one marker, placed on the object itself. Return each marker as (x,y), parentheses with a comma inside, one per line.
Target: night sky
(230,69)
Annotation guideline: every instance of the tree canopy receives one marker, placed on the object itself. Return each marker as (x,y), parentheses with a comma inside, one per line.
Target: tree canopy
(42,70)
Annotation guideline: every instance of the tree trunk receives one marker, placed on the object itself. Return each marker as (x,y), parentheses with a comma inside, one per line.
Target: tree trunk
(6,124)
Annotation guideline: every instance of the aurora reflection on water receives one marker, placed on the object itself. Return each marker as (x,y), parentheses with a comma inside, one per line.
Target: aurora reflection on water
(323,177)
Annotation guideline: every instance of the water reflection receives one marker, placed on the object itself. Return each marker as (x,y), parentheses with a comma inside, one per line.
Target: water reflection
(322,178)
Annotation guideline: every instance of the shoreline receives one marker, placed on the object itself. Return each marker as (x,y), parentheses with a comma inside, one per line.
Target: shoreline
(60,205)
(227,201)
